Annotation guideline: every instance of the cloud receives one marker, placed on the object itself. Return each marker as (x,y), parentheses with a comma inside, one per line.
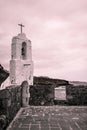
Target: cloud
(57,29)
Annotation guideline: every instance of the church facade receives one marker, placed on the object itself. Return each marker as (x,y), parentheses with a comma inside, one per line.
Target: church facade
(21,64)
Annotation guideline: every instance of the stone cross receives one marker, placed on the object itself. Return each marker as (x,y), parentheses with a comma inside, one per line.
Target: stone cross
(21,26)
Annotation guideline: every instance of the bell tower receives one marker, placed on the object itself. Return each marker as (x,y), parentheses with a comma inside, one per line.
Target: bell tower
(21,64)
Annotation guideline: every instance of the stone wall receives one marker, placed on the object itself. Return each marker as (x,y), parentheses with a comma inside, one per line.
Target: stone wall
(41,94)
(76,95)
(10,102)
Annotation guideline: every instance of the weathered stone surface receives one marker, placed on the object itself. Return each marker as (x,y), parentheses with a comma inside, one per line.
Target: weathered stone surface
(25,94)
(10,102)
(50,118)
(21,64)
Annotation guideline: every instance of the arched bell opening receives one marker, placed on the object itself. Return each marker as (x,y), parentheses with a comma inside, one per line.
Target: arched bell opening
(24,50)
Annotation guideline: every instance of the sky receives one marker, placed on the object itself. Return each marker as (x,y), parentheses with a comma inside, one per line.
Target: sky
(58,31)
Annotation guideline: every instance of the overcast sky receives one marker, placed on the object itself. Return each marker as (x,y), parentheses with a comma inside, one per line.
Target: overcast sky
(58,31)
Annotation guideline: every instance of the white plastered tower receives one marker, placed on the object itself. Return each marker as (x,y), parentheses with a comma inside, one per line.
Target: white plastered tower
(21,64)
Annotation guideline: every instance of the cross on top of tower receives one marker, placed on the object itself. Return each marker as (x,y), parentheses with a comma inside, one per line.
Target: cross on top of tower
(21,26)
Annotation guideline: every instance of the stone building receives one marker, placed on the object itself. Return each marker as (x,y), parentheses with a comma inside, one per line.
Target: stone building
(21,64)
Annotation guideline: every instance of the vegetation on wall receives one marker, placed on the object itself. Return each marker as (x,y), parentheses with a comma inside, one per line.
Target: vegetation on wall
(41,94)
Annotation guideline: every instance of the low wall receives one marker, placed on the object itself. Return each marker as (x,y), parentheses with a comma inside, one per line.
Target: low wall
(76,95)
(10,102)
